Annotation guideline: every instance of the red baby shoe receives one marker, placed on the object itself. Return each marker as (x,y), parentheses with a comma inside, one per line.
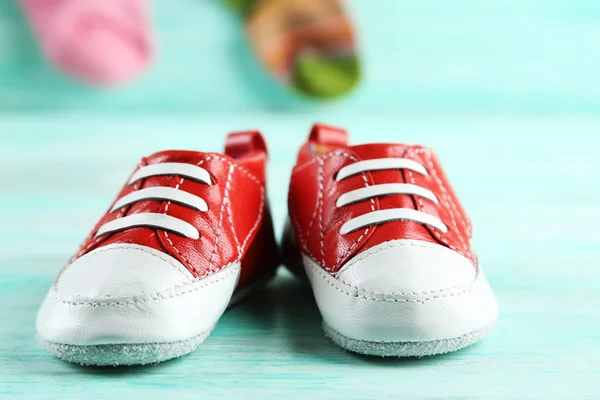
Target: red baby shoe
(387,248)
(188,231)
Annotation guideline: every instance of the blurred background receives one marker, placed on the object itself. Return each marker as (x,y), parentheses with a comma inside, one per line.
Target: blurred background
(506,91)
(426,56)
(484,82)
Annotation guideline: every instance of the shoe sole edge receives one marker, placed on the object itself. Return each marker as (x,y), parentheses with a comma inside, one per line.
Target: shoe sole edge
(126,354)
(129,354)
(406,349)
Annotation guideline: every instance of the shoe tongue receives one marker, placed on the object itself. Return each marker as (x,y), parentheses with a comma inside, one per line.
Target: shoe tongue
(379,150)
(390,176)
(182,156)
(382,150)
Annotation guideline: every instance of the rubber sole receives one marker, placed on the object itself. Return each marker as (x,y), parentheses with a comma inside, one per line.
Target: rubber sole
(406,349)
(124,354)
(128,354)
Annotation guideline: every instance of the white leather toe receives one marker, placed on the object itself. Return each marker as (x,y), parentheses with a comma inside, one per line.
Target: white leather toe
(120,271)
(406,266)
(126,293)
(404,291)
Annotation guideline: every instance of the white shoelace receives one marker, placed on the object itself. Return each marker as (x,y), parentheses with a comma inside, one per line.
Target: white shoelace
(394,214)
(155,220)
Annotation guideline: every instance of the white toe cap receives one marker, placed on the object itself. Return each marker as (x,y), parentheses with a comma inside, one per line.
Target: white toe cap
(404,291)
(407,266)
(120,271)
(126,293)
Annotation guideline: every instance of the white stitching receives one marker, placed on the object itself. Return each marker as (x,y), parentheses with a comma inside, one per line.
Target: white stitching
(449,198)
(242,169)
(84,250)
(366,232)
(296,224)
(229,216)
(387,297)
(158,296)
(165,212)
(422,205)
(262,189)
(225,199)
(303,241)
(185,272)
(449,207)
(258,219)
(320,206)
(304,238)
(394,244)
(138,184)
(167,233)
(320,158)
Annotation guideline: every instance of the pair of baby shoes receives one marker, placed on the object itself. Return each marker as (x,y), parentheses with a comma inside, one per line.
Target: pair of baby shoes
(376,228)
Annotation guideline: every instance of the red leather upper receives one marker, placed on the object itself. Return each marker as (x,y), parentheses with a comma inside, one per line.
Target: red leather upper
(237,215)
(317,220)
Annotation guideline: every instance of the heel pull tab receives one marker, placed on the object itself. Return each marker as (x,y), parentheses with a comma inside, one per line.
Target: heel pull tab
(241,143)
(328,135)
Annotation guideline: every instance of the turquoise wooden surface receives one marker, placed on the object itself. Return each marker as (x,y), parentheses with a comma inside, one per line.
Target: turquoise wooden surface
(506,91)
(530,185)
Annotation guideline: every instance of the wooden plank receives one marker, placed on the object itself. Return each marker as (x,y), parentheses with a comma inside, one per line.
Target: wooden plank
(529,184)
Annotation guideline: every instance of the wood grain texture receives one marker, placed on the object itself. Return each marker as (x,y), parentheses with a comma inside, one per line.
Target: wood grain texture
(530,185)
(508,94)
